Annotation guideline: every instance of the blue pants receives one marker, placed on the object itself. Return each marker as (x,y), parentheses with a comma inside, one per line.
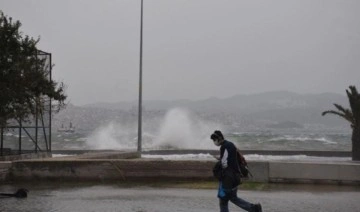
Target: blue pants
(226,195)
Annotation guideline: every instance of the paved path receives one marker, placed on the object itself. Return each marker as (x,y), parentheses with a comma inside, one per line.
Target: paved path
(146,199)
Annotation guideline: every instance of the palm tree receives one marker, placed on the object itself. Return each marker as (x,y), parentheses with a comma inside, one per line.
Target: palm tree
(352,115)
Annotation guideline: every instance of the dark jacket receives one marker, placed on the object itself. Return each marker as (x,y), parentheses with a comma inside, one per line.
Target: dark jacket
(229,164)
(228,157)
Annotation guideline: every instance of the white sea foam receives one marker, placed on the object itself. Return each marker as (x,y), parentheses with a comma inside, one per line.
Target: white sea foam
(181,157)
(257,157)
(302,139)
(8,134)
(249,157)
(82,139)
(325,140)
(238,133)
(17,136)
(59,155)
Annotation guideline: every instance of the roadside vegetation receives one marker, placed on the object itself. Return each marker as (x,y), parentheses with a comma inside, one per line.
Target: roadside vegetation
(26,87)
(351,115)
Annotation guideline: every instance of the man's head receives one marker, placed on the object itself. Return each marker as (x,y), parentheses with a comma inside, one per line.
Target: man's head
(217,137)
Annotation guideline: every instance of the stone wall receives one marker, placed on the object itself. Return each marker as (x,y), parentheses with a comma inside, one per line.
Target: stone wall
(107,170)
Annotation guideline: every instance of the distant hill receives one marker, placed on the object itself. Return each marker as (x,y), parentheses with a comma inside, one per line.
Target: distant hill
(263,109)
(238,103)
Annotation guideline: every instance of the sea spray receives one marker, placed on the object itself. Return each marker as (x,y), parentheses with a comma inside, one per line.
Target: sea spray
(112,136)
(181,129)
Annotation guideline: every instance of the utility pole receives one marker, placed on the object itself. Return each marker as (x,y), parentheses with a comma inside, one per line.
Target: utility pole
(140,83)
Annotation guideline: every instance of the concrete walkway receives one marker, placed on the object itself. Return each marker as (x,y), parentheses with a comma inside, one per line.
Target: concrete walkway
(149,199)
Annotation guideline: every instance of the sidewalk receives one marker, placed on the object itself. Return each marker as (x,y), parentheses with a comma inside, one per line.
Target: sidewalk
(289,198)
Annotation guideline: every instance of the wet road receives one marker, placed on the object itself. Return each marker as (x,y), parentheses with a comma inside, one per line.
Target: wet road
(149,199)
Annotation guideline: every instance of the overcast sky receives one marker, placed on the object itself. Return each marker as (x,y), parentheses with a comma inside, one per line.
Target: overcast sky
(195,49)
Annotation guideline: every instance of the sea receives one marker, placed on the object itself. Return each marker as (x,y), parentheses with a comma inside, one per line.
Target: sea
(178,130)
(111,139)
(260,140)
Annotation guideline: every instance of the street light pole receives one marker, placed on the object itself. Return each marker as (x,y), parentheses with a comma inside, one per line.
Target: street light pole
(140,82)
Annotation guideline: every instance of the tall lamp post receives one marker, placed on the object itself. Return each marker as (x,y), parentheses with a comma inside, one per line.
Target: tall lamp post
(140,83)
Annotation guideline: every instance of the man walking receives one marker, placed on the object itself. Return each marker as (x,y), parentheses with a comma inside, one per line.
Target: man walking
(230,176)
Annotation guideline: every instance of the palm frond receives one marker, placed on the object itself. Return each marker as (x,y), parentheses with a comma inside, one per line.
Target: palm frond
(343,115)
(347,112)
(353,90)
(341,108)
(332,112)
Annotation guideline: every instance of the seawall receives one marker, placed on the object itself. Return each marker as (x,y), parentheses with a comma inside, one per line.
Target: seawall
(127,166)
